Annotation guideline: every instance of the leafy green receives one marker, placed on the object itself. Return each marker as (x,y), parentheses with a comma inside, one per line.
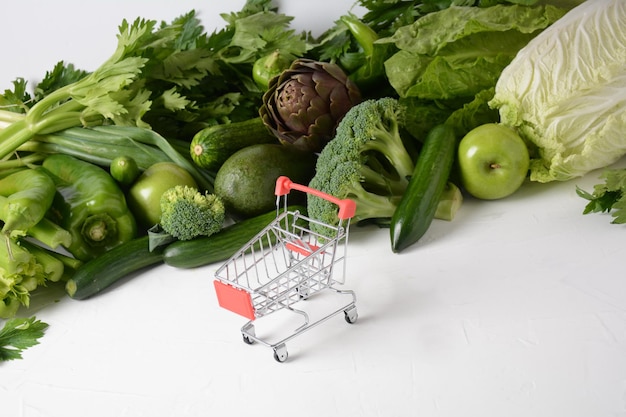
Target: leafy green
(459,51)
(61,75)
(103,94)
(343,43)
(227,91)
(566,92)
(387,16)
(19,334)
(264,31)
(446,62)
(421,115)
(437,55)
(473,114)
(13,101)
(608,196)
(174,78)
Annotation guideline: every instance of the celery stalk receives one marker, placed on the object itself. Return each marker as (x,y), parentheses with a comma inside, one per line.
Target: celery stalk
(102,94)
(53,267)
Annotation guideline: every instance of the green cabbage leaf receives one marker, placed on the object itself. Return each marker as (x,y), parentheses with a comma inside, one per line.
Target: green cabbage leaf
(565,92)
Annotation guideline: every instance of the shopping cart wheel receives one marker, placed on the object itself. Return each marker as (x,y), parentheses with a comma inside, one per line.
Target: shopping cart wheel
(350,314)
(248,332)
(302,292)
(280,353)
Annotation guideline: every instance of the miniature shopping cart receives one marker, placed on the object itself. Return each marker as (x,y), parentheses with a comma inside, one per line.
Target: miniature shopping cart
(284,265)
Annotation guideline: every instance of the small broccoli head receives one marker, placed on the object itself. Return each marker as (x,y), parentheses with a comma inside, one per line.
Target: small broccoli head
(186,213)
(366,162)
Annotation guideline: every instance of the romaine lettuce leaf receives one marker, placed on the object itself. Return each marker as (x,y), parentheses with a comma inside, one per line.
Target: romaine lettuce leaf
(565,92)
(460,51)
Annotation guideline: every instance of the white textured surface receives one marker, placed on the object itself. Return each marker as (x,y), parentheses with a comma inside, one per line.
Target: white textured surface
(516,308)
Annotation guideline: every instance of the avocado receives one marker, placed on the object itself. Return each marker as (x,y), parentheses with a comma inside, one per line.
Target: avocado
(247,180)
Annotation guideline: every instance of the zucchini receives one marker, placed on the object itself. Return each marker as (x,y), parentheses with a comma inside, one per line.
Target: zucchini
(418,204)
(211,146)
(99,273)
(220,246)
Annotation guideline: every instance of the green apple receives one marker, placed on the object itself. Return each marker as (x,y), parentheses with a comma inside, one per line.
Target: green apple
(493,161)
(144,195)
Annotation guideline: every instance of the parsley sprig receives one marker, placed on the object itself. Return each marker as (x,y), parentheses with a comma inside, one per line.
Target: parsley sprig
(608,196)
(19,334)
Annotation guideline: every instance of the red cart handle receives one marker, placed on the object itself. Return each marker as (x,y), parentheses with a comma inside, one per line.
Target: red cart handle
(346,207)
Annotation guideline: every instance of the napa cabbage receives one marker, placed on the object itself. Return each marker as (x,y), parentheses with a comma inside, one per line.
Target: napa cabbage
(565,92)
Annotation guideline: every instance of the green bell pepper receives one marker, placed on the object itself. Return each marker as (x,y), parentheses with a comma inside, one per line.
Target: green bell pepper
(370,75)
(90,205)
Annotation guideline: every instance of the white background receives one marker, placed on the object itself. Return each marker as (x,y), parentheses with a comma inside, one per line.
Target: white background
(516,308)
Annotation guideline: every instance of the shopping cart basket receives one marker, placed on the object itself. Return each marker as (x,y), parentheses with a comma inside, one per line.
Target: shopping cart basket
(286,263)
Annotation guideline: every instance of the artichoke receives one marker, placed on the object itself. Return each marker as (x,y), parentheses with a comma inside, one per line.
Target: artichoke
(304,104)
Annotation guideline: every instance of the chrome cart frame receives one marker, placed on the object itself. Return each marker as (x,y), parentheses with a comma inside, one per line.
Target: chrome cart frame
(289,261)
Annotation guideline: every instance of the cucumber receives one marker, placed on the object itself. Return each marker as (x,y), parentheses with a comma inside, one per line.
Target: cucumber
(220,246)
(213,145)
(99,273)
(418,204)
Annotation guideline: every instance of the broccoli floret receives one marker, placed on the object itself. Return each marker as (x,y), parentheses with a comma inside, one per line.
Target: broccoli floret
(367,161)
(186,213)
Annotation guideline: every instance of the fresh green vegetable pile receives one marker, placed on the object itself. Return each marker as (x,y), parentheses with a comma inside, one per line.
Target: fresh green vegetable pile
(370,162)
(153,157)
(60,146)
